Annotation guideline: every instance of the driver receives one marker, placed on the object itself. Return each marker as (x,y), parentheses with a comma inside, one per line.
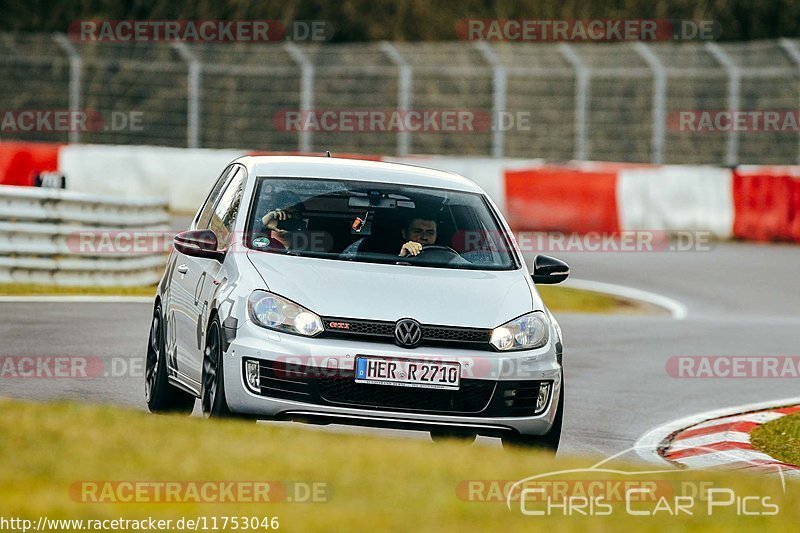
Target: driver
(290,208)
(420,231)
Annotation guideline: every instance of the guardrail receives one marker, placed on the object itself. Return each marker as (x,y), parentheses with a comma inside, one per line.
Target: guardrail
(69,238)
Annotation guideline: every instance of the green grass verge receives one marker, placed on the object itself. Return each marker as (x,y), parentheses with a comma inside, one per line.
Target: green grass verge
(375,483)
(566,299)
(558,299)
(779,438)
(30,289)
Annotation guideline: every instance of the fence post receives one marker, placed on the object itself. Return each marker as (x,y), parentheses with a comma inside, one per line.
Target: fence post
(659,101)
(793,50)
(734,97)
(405,77)
(192,94)
(306,92)
(582,77)
(498,96)
(75,66)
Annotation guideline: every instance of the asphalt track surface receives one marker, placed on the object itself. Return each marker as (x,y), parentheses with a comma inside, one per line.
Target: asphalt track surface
(742,299)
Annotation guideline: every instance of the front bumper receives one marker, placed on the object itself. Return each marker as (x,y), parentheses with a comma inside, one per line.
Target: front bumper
(480,370)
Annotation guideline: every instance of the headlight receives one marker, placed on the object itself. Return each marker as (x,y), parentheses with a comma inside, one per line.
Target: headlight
(523,333)
(275,312)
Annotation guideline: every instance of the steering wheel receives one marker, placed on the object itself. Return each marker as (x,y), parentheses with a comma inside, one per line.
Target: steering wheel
(437,248)
(434,252)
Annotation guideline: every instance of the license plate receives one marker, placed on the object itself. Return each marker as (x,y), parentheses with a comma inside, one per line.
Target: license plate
(408,373)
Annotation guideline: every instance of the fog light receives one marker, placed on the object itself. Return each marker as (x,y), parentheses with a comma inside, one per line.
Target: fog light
(509,397)
(541,400)
(252,375)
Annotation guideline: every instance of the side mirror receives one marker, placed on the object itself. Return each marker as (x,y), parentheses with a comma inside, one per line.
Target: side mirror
(198,243)
(549,270)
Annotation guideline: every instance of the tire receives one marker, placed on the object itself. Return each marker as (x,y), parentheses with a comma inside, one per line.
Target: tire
(212,397)
(547,442)
(443,435)
(161,396)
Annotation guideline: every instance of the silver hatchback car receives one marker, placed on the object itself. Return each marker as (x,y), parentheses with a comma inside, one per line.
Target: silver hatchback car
(329,290)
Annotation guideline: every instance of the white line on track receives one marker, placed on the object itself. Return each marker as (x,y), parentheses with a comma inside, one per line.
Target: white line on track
(676,308)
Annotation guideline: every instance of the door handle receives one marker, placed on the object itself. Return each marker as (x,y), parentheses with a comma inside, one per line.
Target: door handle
(183,269)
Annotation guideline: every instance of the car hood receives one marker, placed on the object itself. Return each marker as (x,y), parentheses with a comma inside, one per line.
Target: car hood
(333,288)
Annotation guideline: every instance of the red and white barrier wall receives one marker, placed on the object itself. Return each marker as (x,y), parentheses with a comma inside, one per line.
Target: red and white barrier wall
(751,202)
(759,203)
(20,161)
(767,203)
(612,197)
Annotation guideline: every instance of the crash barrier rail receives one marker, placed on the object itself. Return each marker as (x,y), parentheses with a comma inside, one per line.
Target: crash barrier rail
(560,101)
(69,238)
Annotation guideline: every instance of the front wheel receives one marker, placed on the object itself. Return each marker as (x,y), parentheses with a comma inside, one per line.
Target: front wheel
(162,397)
(550,440)
(213,386)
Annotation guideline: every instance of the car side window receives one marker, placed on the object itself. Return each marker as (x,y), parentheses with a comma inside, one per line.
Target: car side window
(227,208)
(204,215)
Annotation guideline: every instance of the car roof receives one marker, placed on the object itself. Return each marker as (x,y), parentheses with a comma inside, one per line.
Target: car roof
(357,170)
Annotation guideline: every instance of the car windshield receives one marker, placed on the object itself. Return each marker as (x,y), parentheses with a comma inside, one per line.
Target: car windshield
(376,223)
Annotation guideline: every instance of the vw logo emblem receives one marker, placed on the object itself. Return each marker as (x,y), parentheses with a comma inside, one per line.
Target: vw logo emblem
(407,333)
